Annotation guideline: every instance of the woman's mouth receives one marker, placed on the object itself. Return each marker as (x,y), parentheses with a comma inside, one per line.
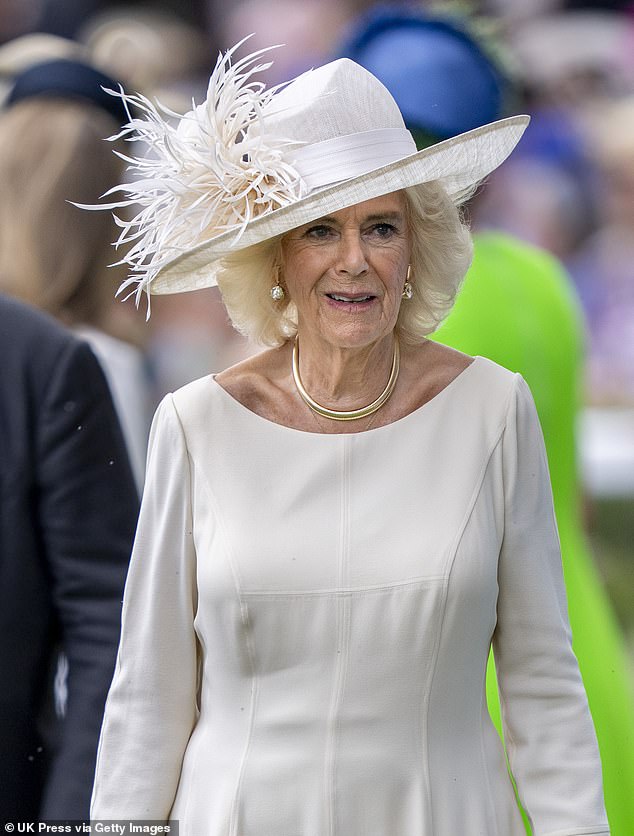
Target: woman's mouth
(349,301)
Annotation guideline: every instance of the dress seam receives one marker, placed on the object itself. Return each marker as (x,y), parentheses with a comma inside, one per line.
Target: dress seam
(192,474)
(234,822)
(510,746)
(424,713)
(451,554)
(485,768)
(192,469)
(499,437)
(345,591)
(343,628)
(341,677)
(250,649)
(453,549)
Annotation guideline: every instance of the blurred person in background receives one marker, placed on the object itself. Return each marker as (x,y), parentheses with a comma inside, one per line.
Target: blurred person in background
(151,49)
(517,307)
(547,197)
(567,189)
(67,518)
(307,30)
(21,53)
(65,18)
(52,254)
(603,267)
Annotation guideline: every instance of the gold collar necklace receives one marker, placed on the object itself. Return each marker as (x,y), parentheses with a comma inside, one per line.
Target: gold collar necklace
(351,414)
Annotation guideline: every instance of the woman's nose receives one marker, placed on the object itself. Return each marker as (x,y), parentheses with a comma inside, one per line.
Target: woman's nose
(351,256)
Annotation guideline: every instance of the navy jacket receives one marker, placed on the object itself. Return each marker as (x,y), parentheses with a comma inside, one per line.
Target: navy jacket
(68,509)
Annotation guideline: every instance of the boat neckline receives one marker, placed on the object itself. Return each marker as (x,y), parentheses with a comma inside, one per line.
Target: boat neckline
(438,397)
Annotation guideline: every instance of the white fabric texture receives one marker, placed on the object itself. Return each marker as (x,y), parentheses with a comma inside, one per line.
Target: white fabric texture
(322,163)
(307,622)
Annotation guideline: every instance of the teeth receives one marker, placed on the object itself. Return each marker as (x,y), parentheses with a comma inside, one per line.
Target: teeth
(339,298)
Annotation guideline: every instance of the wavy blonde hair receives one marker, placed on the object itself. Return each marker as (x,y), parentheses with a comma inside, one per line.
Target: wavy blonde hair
(442,250)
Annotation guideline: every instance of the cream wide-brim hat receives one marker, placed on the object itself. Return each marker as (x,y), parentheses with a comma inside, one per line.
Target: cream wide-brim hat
(250,164)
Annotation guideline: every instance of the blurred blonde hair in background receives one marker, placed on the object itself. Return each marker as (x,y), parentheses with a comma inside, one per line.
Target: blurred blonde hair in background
(52,254)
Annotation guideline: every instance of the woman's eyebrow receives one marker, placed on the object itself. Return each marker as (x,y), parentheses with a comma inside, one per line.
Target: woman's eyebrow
(378,216)
(325,220)
(385,216)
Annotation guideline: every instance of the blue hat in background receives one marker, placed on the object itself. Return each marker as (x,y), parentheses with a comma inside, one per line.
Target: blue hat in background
(442,81)
(68,79)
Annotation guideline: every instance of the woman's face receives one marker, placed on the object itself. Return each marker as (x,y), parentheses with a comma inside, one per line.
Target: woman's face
(345,272)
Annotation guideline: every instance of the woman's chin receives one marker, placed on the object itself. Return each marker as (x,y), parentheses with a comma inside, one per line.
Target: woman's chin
(350,335)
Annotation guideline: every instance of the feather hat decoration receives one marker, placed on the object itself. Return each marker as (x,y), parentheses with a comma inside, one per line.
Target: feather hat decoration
(206,174)
(249,164)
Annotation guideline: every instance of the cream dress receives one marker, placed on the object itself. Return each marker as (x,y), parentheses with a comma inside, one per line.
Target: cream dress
(307,622)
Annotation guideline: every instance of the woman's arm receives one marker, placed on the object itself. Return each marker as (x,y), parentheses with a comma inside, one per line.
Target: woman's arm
(548,730)
(152,704)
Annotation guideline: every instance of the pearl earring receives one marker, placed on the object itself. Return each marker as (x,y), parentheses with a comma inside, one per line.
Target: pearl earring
(277,291)
(408,290)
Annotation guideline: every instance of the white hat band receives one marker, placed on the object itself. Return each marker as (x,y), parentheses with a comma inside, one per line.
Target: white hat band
(333,160)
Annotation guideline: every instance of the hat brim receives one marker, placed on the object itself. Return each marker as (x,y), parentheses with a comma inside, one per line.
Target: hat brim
(459,163)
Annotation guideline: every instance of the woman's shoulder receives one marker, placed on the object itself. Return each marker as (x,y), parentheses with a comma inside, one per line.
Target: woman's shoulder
(435,366)
(480,392)
(245,382)
(263,385)
(436,361)
(251,380)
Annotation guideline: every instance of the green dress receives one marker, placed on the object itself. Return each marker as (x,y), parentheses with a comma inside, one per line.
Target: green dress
(517,307)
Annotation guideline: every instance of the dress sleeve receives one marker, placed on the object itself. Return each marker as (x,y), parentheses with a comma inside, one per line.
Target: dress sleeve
(152,704)
(548,730)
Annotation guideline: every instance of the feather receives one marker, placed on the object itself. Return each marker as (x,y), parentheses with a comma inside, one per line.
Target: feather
(209,171)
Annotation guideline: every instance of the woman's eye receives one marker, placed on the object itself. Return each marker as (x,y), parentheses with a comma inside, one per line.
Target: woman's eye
(319,232)
(383,230)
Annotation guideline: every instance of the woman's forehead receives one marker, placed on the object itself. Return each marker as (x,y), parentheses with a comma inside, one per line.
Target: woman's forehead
(392,205)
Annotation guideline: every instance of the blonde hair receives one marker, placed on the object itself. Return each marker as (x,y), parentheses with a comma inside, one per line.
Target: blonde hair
(52,254)
(442,250)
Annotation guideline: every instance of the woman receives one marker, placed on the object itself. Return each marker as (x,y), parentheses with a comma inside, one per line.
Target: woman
(335,531)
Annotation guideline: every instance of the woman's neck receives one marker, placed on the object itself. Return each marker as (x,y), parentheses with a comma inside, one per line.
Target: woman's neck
(345,378)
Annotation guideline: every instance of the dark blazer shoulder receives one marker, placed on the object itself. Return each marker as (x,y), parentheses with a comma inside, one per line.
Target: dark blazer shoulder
(21,324)
(31,343)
